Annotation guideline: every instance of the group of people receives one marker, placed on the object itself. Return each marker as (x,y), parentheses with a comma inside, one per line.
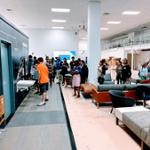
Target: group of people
(120,71)
(54,70)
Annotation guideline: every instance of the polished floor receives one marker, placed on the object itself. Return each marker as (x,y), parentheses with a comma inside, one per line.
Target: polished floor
(45,128)
(38,127)
(95,129)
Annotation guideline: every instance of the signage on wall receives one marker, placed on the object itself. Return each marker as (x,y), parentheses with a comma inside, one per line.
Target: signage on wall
(64,54)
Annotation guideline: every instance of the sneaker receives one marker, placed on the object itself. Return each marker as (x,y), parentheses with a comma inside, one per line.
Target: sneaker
(46,100)
(37,92)
(41,104)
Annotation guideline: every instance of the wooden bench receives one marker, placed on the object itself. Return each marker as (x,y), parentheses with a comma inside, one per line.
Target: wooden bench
(87,89)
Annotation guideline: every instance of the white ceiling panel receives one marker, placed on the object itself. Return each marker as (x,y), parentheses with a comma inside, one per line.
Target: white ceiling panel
(37,14)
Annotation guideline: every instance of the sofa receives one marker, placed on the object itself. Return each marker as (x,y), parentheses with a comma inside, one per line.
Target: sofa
(101,94)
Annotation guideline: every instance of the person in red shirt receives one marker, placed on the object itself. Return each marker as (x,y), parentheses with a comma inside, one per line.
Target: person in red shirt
(43,80)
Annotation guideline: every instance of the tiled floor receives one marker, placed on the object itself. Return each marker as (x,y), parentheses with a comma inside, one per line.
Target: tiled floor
(37,127)
(95,129)
(44,128)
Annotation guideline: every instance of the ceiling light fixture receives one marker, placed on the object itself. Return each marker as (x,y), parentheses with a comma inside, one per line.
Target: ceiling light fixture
(57,27)
(62,10)
(104,29)
(131,12)
(113,22)
(59,21)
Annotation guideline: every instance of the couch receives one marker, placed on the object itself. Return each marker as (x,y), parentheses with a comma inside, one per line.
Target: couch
(101,94)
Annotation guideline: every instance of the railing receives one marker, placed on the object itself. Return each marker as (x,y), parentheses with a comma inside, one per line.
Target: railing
(125,43)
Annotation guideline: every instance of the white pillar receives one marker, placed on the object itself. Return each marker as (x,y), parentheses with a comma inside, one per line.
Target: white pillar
(94,16)
(132,59)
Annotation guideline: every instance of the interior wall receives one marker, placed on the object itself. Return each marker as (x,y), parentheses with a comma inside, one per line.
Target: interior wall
(117,53)
(140,57)
(19,51)
(44,41)
(83,52)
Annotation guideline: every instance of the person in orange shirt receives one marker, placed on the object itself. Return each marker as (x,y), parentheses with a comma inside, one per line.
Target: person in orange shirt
(43,80)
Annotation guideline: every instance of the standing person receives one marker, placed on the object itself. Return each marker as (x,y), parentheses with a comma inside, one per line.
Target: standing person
(126,71)
(72,63)
(76,79)
(143,73)
(30,63)
(102,70)
(119,72)
(50,67)
(43,80)
(113,67)
(64,71)
(58,68)
(84,72)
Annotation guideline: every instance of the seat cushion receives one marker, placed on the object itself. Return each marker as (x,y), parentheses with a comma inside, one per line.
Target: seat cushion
(109,82)
(136,121)
(130,86)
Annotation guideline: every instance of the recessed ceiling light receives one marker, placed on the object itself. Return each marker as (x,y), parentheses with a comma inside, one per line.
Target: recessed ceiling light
(63,10)
(9,9)
(131,12)
(104,29)
(59,21)
(113,22)
(57,27)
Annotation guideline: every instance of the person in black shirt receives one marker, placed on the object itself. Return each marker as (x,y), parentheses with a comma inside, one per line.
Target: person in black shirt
(64,70)
(103,66)
(84,72)
(72,63)
(126,71)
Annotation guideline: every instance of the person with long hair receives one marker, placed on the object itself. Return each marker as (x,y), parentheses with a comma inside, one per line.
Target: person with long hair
(126,71)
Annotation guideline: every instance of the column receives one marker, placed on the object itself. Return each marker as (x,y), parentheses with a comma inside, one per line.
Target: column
(94,16)
(132,59)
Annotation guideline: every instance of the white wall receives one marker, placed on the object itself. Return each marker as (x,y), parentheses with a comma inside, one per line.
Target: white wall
(117,53)
(43,41)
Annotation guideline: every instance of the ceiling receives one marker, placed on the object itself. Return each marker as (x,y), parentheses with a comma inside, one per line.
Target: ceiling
(35,14)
